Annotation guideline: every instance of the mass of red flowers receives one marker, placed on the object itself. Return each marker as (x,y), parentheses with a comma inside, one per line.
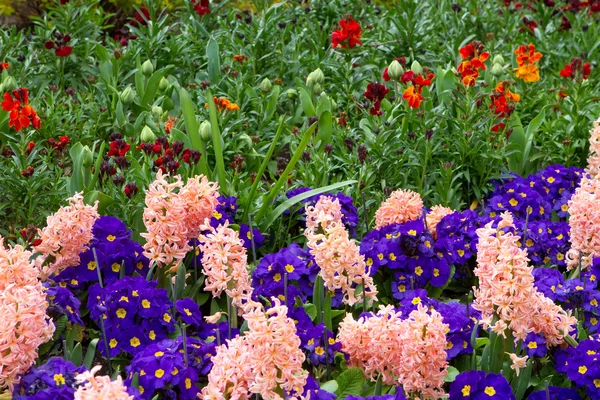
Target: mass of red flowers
(61,49)
(349,34)
(21,113)
(503,104)
(413,93)
(141,17)
(59,145)
(4,65)
(201,6)
(473,60)
(576,70)
(376,93)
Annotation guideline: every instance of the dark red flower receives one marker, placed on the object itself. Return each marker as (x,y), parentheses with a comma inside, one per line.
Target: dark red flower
(386,76)
(130,189)
(141,18)
(30,147)
(4,65)
(49,44)
(201,7)
(376,93)
(27,172)
(63,51)
(118,148)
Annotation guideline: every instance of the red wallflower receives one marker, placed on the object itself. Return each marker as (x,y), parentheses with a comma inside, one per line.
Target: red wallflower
(141,17)
(4,65)
(386,76)
(30,147)
(474,58)
(376,93)
(576,70)
(413,93)
(21,113)
(118,148)
(27,172)
(201,6)
(60,145)
(241,58)
(170,124)
(348,36)
(63,51)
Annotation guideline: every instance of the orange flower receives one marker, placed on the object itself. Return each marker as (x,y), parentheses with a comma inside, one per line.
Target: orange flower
(509,95)
(21,113)
(526,59)
(413,96)
(170,123)
(4,65)
(223,104)
(474,59)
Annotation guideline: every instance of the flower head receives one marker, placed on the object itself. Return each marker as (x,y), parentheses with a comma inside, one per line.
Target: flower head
(21,113)
(100,387)
(473,60)
(402,206)
(349,34)
(67,234)
(434,217)
(527,58)
(376,93)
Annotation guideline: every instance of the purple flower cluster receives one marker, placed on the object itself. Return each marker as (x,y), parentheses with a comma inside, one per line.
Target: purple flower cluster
(116,254)
(171,368)
(55,380)
(61,301)
(480,385)
(134,314)
(581,364)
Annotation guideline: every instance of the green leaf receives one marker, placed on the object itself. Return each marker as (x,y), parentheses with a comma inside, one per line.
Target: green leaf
(452,374)
(325,133)
(152,86)
(216,141)
(76,182)
(521,383)
(76,354)
(103,200)
(90,353)
(180,282)
(310,310)
(214,62)
(350,382)
(192,127)
(324,105)
(318,294)
(330,386)
(306,102)
(272,103)
(296,199)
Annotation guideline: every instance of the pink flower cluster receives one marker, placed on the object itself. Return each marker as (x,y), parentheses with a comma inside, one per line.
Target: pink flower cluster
(507,297)
(584,220)
(340,260)
(100,387)
(225,264)
(435,216)
(24,325)
(173,215)
(402,206)
(265,361)
(593,168)
(67,234)
(409,352)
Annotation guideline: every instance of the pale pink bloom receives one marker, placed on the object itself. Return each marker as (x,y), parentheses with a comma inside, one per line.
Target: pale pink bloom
(402,206)
(67,234)
(264,361)
(593,167)
(173,216)
(225,264)
(517,363)
(506,293)
(410,352)
(100,387)
(584,220)
(435,216)
(24,325)
(342,265)
(213,319)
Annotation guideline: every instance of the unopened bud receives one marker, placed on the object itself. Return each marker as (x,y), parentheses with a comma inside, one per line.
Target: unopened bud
(127,95)
(87,158)
(395,70)
(205,130)
(147,68)
(415,67)
(147,135)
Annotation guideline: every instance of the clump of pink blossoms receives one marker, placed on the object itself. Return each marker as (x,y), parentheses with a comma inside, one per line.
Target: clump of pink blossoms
(340,260)
(584,221)
(506,290)
(402,206)
(593,167)
(435,216)
(67,234)
(225,264)
(173,215)
(410,352)
(266,360)
(24,325)
(100,387)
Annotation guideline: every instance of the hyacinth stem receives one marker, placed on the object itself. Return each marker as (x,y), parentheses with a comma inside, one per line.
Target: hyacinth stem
(547,391)
(364,201)
(218,334)
(195,261)
(185,352)
(228,318)
(364,295)
(252,239)
(326,346)
(285,289)
(526,225)
(104,337)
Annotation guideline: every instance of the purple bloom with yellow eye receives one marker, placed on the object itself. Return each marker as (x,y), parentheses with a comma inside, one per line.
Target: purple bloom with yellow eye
(312,390)
(247,236)
(189,312)
(478,385)
(53,380)
(535,345)
(63,302)
(556,393)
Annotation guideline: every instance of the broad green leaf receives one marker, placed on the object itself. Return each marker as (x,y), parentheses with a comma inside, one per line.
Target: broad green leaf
(350,382)
(103,200)
(152,86)
(452,373)
(324,136)
(330,386)
(307,104)
(214,61)
(90,354)
(272,103)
